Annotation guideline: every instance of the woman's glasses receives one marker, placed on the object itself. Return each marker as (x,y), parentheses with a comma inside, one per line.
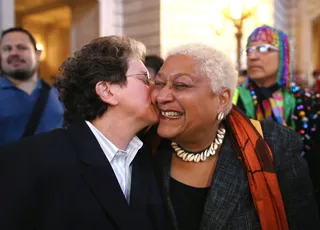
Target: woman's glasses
(144,77)
(261,49)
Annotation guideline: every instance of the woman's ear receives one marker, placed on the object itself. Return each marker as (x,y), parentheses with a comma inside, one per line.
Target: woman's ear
(224,100)
(106,92)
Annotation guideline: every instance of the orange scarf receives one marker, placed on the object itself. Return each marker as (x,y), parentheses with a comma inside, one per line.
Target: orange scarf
(257,158)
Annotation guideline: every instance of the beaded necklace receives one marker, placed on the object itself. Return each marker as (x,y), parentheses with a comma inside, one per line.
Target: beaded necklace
(303,112)
(270,107)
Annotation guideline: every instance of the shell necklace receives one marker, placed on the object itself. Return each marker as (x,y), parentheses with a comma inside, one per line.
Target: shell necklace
(201,156)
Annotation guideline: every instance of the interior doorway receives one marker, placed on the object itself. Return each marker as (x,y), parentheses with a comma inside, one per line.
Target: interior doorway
(316,42)
(50,24)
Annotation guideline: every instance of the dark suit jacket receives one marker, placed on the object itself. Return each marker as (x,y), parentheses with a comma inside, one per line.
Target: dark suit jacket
(62,180)
(229,203)
(314,164)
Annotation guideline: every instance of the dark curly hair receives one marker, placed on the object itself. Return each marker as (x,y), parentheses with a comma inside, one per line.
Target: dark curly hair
(153,61)
(22,30)
(103,59)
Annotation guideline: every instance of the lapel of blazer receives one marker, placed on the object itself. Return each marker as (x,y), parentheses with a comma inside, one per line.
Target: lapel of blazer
(144,198)
(163,165)
(228,186)
(99,176)
(139,184)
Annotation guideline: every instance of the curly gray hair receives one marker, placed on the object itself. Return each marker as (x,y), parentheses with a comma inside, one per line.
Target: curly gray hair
(213,64)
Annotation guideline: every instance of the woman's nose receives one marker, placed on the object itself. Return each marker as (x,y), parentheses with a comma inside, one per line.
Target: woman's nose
(164,95)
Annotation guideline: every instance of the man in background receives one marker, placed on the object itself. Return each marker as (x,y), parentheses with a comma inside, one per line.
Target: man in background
(27,104)
(153,64)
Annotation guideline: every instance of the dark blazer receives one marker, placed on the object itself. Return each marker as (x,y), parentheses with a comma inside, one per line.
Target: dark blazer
(62,180)
(229,203)
(314,164)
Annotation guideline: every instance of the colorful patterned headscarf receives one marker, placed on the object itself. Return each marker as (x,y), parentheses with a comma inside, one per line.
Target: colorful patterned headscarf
(281,40)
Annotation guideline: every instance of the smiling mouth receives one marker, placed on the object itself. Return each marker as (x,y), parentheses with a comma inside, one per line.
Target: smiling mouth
(16,62)
(170,114)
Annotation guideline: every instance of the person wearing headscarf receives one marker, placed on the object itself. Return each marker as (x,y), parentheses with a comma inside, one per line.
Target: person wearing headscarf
(270,91)
(216,168)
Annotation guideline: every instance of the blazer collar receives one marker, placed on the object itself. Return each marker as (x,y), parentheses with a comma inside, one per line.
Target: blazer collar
(228,187)
(99,176)
(139,189)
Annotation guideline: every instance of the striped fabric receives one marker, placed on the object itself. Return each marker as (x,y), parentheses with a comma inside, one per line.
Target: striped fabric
(273,105)
(120,160)
(279,100)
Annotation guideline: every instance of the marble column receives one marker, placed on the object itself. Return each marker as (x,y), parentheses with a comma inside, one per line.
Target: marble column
(84,23)
(7,14)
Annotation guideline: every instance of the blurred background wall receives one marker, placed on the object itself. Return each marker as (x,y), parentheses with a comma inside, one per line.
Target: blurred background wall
(63,26)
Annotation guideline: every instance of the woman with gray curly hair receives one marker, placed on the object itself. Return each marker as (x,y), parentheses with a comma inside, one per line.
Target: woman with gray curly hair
(216,168)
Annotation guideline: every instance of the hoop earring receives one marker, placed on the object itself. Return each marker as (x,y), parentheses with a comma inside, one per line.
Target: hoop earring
(220,116)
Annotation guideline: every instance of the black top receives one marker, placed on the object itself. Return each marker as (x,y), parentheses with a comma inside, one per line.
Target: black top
(188,203)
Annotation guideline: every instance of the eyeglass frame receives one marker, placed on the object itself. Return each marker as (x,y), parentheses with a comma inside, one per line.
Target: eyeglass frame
(255,48)
(147,79)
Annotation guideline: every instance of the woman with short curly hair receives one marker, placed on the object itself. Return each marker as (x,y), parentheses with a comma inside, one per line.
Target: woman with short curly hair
(95,173)
(102,60)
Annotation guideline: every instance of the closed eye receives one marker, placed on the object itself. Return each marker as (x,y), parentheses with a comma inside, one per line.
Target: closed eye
(180,86)
(159,84)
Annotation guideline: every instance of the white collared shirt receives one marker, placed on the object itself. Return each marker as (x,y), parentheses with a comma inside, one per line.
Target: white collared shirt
(120,160)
